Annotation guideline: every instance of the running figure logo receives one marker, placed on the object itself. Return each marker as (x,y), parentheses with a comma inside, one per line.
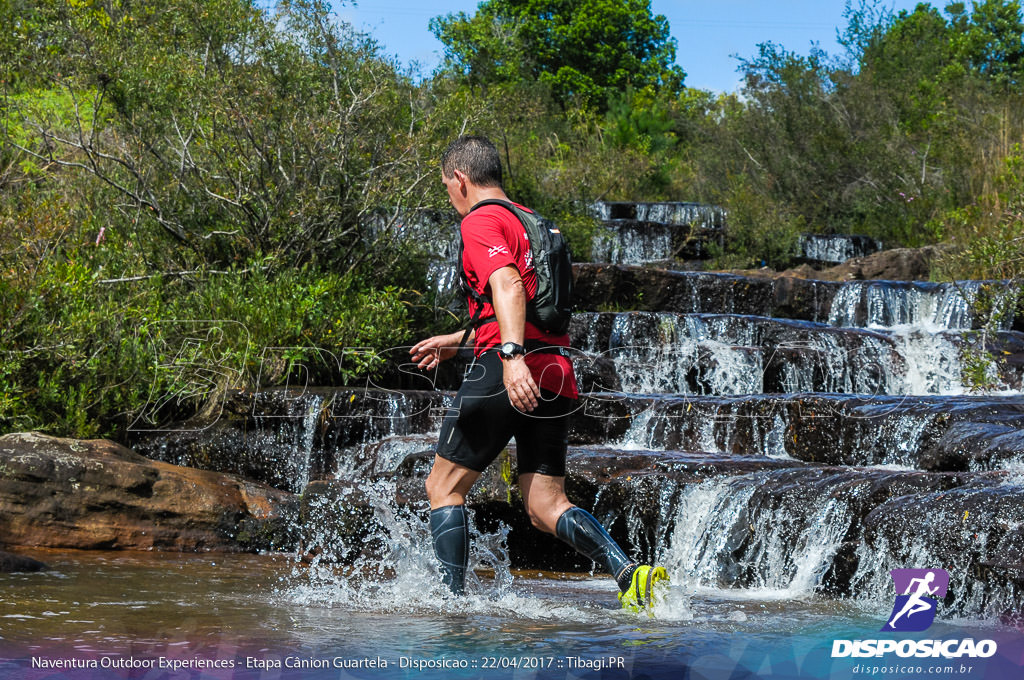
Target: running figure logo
(915,608)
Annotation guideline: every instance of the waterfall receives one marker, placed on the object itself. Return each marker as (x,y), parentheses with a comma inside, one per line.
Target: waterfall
(933,363)
(962,545)
(776,457)
(732,355)
(846,304)
(887,304)
(634,243)
(673,213)
(724,537)
(638,436)
(682,360)
(304,452)
(836,249)
(641,233)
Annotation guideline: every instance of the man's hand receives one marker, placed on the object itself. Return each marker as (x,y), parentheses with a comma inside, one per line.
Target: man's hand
(430,352)
(522,390)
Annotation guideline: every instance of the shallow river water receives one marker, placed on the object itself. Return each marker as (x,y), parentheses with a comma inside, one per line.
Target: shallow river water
(171,615)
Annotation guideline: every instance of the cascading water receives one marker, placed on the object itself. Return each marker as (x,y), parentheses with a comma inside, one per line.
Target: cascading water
(750,533)
(836,249)
(641,233)
(704,354)
(631,244)
(303,466)
(950,537)
(710,526)
(675,213)
(887,304)
(683,359)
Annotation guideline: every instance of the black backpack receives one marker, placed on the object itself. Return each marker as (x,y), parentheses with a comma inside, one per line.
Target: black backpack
(551,308)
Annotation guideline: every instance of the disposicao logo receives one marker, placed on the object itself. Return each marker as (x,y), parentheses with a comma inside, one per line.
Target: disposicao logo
(917,595)
(914,610)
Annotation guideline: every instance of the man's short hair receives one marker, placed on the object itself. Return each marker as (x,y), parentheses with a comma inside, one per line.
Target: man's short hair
(475,156)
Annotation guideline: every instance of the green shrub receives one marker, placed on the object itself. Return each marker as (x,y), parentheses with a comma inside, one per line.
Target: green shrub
(91,355)
(759,232)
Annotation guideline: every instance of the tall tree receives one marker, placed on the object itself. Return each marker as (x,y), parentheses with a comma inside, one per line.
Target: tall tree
(991,40)
(583,49)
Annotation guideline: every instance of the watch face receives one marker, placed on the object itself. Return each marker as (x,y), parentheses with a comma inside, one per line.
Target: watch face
(511,349)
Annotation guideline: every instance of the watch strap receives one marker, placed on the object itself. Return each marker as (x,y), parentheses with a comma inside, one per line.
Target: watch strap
(509,350)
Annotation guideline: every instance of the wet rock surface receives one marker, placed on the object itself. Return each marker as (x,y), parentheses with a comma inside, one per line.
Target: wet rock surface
(601,287)
(930,433)
(288,438)
(719,354)
(632,241)
(826,250)
(11,563)
(974,533)
(96,494)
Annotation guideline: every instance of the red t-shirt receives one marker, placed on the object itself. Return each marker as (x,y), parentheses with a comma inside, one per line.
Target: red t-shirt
(493,238)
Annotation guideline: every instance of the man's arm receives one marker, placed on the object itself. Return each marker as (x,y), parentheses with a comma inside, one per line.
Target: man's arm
(508,295)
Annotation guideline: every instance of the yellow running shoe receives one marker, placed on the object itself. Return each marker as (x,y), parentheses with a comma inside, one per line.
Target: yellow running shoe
(641,592)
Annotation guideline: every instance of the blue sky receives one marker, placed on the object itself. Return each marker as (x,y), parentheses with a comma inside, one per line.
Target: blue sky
(710,33)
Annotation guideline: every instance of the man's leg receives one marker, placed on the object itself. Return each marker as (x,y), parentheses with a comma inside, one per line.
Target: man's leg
(447,486)
(550,511)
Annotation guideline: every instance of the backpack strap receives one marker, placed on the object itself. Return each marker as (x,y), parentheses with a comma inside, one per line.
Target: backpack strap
(476,321)
(480,299)
(507,205)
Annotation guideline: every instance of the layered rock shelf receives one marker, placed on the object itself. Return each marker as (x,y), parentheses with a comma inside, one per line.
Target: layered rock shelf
(605,287)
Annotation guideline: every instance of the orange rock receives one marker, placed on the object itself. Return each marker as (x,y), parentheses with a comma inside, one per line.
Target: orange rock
(67,493)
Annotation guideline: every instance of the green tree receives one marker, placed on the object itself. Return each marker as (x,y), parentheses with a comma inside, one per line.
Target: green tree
(583,49)
(909,62)
(914,123)
(196,159)
(990,41)
(235,132)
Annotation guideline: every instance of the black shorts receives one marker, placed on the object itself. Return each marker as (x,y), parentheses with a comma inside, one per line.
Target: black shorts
(481,421)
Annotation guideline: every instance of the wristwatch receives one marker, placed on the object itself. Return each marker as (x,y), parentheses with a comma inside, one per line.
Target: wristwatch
(511,350)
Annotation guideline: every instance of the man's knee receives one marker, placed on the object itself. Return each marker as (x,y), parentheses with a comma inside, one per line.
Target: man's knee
(437,489)
(545,516)
(535,519)
(448,483)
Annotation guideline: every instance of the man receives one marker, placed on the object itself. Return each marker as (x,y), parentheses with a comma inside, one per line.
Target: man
(508,392)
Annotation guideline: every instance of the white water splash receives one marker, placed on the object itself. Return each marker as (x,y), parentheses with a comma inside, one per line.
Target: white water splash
(404,578)
(400,569)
